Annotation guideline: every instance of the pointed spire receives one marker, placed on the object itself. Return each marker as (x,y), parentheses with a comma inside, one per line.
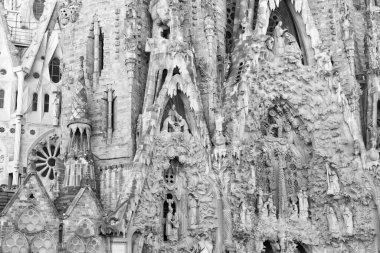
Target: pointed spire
(79,111)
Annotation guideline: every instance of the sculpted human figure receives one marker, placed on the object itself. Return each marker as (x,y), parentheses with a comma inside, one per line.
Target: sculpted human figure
(175,226)
(193,206)
(160,12)
(332,222)
(294,214)
(348,221)
(175,122)
(332,181)
(303,205)
(139,244)
(169,217)
(279,39)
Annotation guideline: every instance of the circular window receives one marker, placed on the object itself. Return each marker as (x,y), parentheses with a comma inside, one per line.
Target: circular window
(12,130)
(46,158)
(36,75)
(2,129)
(76,245)
(3,71)
(32,132)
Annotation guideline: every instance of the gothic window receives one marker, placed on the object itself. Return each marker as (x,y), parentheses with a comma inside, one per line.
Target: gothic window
(15,243)
(30,221)
(2,93)
(46,103)
(38,8)
(174,117)
(35,102)
(86,228)
(54,70)
(43,243)
(76,245)
(94,246)
(101,52)
(16,97)
(231,6)
(47,153)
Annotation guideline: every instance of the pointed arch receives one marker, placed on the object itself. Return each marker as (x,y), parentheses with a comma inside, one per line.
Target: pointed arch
(31,221)
(43,242)
(95,246)
(15,243)
(76,245)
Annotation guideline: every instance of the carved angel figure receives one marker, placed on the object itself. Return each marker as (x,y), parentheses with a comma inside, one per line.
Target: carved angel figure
(279,39)
(333,222)
(348,221)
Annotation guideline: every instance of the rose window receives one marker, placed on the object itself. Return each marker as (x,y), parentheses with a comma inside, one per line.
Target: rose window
(15,243)
(30,221)
(94,246)
(43,243)
(47,153)
(86,229)
(76,245)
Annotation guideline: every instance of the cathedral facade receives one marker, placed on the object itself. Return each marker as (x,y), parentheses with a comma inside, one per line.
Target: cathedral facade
(204,126)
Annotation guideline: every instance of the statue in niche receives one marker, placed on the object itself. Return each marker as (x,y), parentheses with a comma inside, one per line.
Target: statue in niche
(269,209)
(348,221)
(172,223)
(268,53)
(175,122)
(193,207)
(138,244)
(56,108)
(243,214)
(292,50)
(279,39)
(332,181)
(332,222)
(294,213)
(279,124)
(260,202)
(303,205)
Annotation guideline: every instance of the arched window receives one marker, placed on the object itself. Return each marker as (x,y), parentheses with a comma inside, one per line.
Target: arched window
(15,242)
(46,103)
(38,8)
(54,71)
(35,102)
(2,98)
(16,100)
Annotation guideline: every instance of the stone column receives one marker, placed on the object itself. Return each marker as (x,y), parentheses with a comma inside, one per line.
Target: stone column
(19,116)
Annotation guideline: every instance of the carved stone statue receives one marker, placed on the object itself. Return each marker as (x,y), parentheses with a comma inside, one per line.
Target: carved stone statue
(332,181)
(348,221)
(332,222)
(193,206)
(294,213)
(279,39)
(303,205)
(175,122)
(138,244)
(169,217)
(57,108)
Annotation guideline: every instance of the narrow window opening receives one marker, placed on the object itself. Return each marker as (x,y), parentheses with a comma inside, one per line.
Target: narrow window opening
(31,196)
(101,52)
(38,8)
(2,93)
(54,71)
(166,209)
(16,100)
(10,180)
(60,233)
(113,117)
(35,102)
(46,103)
(166,32)
(268,247)
(176,71)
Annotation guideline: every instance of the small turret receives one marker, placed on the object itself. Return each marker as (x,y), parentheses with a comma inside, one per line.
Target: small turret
(79,162)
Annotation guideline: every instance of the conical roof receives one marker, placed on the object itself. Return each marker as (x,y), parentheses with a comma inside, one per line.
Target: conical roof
(79,111)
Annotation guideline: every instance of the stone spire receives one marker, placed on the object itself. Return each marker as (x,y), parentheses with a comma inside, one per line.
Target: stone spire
(79,111)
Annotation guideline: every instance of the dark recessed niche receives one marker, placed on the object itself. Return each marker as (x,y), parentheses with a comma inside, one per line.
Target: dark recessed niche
(12,130)
(42,57)
(32,132)
(2,129)
(36,75)
(3,71)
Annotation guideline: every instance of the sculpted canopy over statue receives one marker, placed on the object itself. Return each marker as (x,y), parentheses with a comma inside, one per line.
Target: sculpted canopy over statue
(175,122)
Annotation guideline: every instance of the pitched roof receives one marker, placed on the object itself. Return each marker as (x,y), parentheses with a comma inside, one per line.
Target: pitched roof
(21,188)
(79,195)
